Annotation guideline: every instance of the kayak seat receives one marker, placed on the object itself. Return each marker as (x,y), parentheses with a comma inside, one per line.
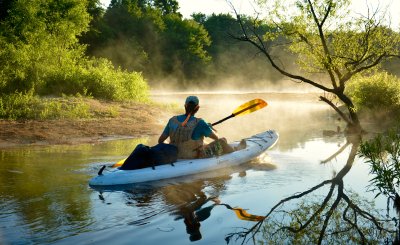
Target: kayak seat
(242,145)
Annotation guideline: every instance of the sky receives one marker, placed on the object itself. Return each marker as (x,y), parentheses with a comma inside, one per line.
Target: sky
(187,7)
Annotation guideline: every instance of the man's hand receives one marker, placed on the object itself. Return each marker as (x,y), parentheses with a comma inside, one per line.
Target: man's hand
(213,136)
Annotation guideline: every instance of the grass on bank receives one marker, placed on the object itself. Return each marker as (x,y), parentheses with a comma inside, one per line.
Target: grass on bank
(29,106)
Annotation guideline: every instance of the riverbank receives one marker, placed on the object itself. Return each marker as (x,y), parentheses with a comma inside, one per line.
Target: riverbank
(126,121)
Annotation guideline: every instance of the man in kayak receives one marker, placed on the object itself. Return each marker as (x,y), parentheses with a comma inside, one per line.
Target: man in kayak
(187,133)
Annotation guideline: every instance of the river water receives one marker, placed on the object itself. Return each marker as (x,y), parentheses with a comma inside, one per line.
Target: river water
(45,197)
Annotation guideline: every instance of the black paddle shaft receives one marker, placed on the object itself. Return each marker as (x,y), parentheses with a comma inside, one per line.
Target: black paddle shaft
(224,119)
(233,115)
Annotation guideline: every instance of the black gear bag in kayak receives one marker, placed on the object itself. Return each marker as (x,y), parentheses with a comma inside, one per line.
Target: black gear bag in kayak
(144,156)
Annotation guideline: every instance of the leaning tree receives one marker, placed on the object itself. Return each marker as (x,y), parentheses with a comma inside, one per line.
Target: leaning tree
(329,44)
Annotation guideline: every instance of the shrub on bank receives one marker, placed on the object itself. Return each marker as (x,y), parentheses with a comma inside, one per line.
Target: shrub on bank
(379,92)
(99,79)
(104,81)
(96,77)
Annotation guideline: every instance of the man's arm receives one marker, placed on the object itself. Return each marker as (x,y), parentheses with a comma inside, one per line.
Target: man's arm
(165,134)
(213,136)
(162,138)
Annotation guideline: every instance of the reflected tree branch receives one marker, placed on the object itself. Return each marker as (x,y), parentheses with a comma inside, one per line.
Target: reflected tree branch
(336,153)
(330,212)
(336,185)
(353,224)
(322,207)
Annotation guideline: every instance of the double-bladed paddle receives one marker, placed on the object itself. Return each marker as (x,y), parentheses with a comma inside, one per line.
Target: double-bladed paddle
(246,108)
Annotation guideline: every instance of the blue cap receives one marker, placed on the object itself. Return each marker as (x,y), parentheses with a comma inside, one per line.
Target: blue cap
(193,99)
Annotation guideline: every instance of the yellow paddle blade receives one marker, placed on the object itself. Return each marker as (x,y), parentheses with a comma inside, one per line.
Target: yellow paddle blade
(119,163)
(249,107)
(243,215)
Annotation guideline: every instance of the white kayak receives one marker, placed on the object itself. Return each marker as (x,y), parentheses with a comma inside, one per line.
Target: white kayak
(255,146)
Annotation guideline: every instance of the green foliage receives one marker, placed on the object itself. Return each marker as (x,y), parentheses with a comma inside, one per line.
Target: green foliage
(152,37)
(377,92)
(103,81)
(97,78)
(184,46)
(96,13)
(382,153)
(199,18)
(40,52)
(167,6)
(70,109)
(39,37)
(17,105)
(277,229)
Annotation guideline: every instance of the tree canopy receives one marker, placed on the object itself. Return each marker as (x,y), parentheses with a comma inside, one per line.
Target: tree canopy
(38,36)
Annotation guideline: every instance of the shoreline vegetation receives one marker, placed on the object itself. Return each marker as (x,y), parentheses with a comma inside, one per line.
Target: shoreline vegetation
(101,121)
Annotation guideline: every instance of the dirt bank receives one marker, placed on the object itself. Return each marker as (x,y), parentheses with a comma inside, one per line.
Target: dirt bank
(132,120)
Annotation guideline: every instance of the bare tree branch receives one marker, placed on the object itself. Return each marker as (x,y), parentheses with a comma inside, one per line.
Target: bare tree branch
(342,115)
(261,47)
(328,64)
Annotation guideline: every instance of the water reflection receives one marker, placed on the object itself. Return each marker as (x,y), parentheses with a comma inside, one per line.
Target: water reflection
(43,190)
(338,216)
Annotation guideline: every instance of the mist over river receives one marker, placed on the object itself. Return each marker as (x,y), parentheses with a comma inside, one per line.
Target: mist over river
(45,197)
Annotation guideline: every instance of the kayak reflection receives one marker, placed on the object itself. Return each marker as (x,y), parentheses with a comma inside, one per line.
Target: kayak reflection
(191,202)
